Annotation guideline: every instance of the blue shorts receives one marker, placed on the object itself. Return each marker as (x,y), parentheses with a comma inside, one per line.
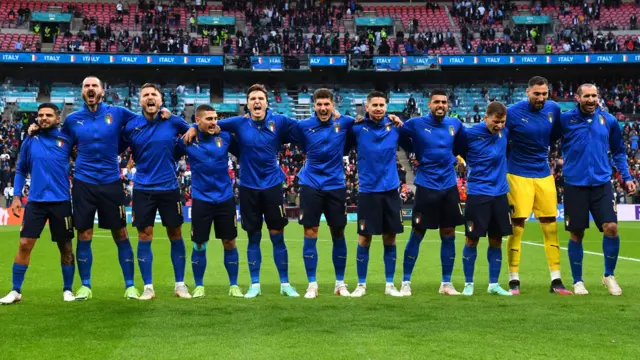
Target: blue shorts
(437,209)
(36,215)
(313,202)
(580,200)
(487,215)
(380,213)
(256,203)
(107,199)
(222,215)
(147,202)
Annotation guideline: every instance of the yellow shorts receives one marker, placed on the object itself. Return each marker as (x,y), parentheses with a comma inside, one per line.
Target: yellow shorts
(532,194)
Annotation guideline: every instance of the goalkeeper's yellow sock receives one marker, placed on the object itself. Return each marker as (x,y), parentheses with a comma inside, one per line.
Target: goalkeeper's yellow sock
(552,248)
(513,252)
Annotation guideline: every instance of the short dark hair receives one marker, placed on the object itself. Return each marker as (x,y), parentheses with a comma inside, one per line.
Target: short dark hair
(258,87)
(496,108)
(538,80)
(323,93)
(579,91)
(51,106)
(375,94)
(95,77)
(204,107)
(151,85)
(442,92)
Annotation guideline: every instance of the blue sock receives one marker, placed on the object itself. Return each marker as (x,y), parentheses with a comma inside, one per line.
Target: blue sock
(389,262)
(339,255)
(178,258)
(280,256)
(494,257)
(68,271)
(362,262)
(126,259)
(576,253)
(18,276)
(469,255)
(610,249)
(411,255)
(145,261)
(310,257)
(447,256)
(254,256)
(199,263)
(231,260)
(84,259)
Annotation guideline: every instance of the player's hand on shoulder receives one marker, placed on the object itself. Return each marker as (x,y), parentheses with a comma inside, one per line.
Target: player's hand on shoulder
(216,130)
(15,206)
(33,128)
(359,118)
(190,135)
(631,187)
(165,113)
(336,114)
(396,120)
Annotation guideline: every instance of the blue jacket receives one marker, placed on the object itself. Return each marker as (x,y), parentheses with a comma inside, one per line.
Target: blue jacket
(435,144)
(259,143)
(152,144)
(209,162)
(324,144)
(45,156)
(530,136)
(376,144)
(97,136)
(586,142)
(486,157)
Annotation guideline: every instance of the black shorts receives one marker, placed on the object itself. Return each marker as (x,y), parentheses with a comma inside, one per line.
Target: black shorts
(254,204)
(380,213)
(487,215)
(146,203)
(223,216)
(437,209)
(313,202)
(58,214)
(580,200)
(107,199)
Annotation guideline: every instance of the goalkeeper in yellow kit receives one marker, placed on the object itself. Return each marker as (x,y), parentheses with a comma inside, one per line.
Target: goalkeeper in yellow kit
(532,186)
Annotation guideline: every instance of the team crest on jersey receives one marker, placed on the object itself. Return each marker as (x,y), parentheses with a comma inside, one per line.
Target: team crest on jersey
(218,141)
(108,119)
(470,225)
(361,225)
(550,117)
(272,126)
(336,127)
(60,142)
(388,127)
(452,130)
(602,120)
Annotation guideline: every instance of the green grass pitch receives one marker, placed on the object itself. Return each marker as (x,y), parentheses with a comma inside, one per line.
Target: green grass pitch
(534,325)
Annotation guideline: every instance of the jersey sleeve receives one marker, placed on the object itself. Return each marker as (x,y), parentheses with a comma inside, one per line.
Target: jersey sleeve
(407,128)
(556,129)
(66,129)
(231,124)
(461,142)
(180,149)
(127,115)
(22,168)
(234,147)
(180,124)
(618,149)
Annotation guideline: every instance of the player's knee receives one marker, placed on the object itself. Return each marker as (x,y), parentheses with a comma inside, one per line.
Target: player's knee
(145,233)
(229,244)
(519,222)
(576,236)
(472,242)
(311,232)
(419,232)
(364,240)
(389,239)
(174,233)
(26,245)
(610,229)
(337,233)
(275,231)
(85,235)
(119,234)
(495,242)
(545,220)
(448,232)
